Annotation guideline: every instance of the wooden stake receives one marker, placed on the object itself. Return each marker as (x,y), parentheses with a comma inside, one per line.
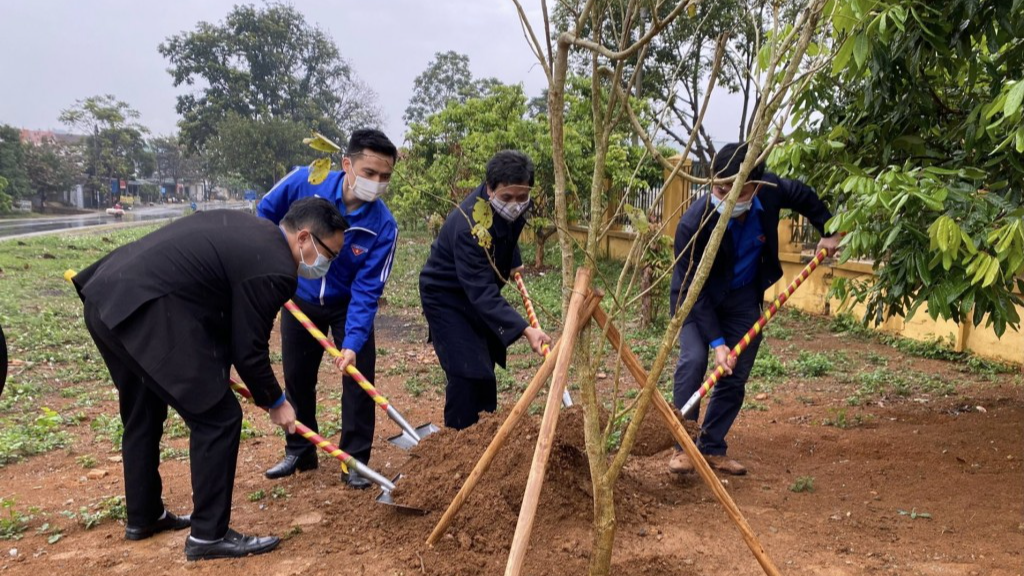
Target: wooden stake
(484,464)
(531,497)
(679,433)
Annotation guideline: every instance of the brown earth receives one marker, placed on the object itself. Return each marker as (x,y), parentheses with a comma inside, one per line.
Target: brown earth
(923,484)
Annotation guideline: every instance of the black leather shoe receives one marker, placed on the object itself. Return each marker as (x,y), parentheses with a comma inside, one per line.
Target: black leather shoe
(354,480)
(232,545)
(168,522)
(290,463)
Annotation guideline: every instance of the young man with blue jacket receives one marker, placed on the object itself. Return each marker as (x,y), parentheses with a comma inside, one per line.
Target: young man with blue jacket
(747,264)
(344,301)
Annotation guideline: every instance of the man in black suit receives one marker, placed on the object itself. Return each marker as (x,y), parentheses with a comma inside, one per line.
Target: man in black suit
(747,264)
(170,314)
(470,322)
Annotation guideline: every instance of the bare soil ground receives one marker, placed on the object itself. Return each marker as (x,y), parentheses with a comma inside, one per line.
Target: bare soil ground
(919,483)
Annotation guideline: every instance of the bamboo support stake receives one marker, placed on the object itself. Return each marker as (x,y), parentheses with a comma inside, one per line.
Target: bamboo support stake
(514,416)
(679,433)
(535,481)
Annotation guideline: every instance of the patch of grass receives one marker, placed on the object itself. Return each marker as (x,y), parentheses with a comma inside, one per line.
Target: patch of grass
(174,426)
(171,453)
(767,366)
(249,431)
(112,508)
(86,461)
(847,324)
(937,349)
(779,331)
(257,496)
(839,419)
(756,406)
(275,357)
(13,523)
(279,492)
(913,514)
(25,436)
(813,364)
(876,359)
(803,484)
(882,383)
(109,427)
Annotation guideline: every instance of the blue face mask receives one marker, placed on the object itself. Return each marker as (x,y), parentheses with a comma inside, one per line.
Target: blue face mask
(739,209)
(319,267)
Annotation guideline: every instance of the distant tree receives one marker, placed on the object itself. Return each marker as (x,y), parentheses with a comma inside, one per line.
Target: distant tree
(258,152)
(172,162)
(114,146)
(446,79)
(53,169)
(5,200)
(265,63)
(12,167)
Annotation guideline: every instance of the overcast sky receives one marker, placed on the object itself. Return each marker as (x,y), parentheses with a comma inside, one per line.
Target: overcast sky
(53,52)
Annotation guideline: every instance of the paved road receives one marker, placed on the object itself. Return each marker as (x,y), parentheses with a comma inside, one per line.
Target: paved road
(20,227)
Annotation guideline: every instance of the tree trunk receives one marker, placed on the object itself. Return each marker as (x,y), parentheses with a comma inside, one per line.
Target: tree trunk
(538,259)
(647,300)
(556,110)
(604,530)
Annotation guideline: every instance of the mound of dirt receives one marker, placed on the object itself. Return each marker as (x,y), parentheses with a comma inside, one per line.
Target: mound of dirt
(439,466)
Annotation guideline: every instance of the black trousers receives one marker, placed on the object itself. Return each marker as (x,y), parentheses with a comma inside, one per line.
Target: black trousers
(737,313)
(213,440)
(302,354)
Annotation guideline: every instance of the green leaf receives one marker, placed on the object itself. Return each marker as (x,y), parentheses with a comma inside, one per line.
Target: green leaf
(861,50)
(1013,99)
(764,56)
(842,57)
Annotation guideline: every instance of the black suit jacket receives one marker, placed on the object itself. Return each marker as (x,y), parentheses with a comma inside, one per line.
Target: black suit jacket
(193,298)
(786,194)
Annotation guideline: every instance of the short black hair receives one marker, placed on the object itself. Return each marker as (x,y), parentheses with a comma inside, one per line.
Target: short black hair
(509,167)
(372,140)
(320,216)
(727,162)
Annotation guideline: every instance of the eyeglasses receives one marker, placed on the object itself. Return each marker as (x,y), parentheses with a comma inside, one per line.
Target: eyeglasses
(331,255)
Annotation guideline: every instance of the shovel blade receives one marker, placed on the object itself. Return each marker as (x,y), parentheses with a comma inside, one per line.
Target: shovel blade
(387,499)
(406,441)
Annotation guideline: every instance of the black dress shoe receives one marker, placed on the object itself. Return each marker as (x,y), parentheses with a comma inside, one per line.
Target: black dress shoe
(354,480)
(232,545)
(290,463)
(168,522)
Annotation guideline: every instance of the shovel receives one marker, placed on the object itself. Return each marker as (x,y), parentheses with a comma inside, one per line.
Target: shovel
(744,342)
(410,436)
(532,317)
(347,461)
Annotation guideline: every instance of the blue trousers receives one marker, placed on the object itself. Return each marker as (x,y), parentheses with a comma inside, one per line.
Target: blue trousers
(736,314)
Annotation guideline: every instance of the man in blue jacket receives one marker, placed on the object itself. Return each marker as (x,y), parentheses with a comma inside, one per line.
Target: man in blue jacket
(746,265)
(344,301)
(470,323)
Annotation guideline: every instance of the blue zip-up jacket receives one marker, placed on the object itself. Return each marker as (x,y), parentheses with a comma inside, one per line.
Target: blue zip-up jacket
(364,263)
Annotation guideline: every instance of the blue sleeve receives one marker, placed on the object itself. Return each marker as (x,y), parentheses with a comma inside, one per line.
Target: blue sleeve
(275,204)
(367,287)
(717,342)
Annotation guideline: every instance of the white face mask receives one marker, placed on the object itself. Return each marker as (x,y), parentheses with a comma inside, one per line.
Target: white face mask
(367,190)
(509,210)
(319,267)
(738,210)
